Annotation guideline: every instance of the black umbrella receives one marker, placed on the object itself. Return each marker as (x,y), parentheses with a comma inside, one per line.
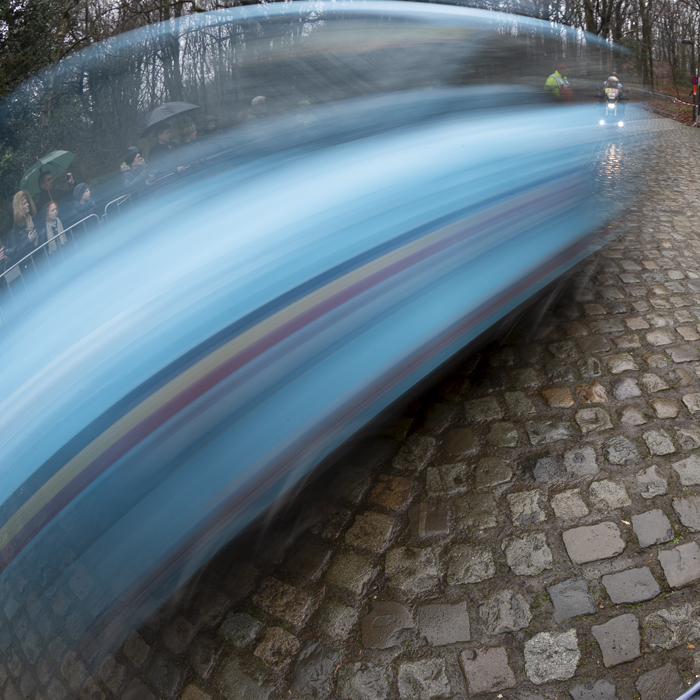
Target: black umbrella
(163,113)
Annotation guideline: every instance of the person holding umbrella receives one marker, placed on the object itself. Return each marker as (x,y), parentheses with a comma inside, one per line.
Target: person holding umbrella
(157,122)
(41,178)
(162,146)
(47,193)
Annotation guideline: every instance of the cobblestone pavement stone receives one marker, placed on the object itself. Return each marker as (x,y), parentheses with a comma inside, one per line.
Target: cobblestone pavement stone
(525,530)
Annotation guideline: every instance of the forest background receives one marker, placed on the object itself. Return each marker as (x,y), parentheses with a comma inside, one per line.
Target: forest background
(35,34)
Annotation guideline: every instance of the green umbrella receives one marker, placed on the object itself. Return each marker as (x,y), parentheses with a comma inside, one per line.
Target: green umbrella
(56,163)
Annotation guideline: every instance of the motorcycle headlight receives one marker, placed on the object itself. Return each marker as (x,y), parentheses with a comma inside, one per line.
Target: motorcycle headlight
(620,124)
(602,122)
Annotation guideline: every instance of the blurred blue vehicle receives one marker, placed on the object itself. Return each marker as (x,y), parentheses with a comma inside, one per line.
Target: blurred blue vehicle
(199,356)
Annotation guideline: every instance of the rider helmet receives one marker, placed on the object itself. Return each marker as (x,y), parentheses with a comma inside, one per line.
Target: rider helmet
(613,79)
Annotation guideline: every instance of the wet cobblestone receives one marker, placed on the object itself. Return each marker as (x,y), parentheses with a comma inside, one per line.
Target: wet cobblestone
(526,529)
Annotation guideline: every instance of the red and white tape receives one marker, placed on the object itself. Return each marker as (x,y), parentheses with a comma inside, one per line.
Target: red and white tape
(690,104)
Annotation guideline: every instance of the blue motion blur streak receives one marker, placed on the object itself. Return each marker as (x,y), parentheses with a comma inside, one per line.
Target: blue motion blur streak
(205,352)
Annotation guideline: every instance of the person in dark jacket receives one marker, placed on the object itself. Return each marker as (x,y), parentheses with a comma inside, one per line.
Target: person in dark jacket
(135,174)
(162,144)
(23,237)
(211,124)
(162,147)
(48,193)
(83,206)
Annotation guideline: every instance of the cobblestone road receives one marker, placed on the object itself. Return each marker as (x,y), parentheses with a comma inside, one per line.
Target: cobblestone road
(526,530)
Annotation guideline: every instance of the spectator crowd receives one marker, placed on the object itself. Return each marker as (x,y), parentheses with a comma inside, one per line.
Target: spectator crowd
(42,219)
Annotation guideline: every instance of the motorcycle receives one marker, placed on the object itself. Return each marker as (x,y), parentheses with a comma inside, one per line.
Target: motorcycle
(613,111)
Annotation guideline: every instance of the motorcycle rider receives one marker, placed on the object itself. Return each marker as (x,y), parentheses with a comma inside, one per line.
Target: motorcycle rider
(613,83)
(558,86)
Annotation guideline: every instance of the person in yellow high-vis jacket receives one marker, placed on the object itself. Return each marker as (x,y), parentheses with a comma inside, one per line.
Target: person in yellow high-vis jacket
(558,85)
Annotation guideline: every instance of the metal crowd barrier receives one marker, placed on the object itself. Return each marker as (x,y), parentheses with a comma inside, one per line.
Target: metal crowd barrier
(122,201)
(13,285)
(42,255)
(12,280)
